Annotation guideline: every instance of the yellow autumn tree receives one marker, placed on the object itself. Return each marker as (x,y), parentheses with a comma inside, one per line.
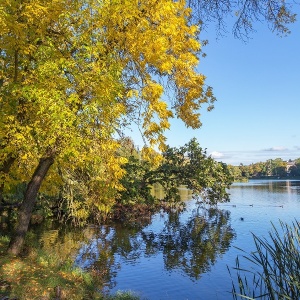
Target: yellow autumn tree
(72,71)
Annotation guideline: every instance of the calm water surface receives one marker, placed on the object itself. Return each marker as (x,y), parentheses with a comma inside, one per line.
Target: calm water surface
(185,255)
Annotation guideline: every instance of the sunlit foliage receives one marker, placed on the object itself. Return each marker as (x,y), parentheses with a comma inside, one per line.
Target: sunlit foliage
(188,165)
(72,72)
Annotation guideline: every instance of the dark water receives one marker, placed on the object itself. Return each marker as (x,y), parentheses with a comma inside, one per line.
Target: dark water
(185,255)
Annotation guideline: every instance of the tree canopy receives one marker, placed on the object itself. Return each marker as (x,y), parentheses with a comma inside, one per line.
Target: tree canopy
(72,72)
(188,165)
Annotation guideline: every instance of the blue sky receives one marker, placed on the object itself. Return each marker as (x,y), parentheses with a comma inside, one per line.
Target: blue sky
(257,84)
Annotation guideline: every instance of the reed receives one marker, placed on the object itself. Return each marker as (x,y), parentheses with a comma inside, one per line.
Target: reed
(275,271)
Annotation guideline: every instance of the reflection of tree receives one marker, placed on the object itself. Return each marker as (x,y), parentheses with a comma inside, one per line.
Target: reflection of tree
(101,253)
(192,246)
(96,255)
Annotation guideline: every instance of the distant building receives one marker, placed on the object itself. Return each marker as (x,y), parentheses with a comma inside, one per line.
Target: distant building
(290,163)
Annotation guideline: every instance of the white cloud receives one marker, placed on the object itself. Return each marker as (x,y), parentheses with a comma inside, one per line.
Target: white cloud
(216,154)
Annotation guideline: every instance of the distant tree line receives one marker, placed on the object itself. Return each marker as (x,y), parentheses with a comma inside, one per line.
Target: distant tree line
(271,168)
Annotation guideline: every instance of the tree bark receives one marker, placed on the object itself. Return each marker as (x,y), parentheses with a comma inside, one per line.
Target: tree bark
(26,208)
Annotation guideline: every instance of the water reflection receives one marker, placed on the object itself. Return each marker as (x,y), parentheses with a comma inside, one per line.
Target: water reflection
(273,186)
(62,242)
(190,244)
(109,242)
(184,193)
(164,256)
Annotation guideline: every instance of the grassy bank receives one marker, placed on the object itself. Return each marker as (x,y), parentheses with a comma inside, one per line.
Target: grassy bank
(40,275)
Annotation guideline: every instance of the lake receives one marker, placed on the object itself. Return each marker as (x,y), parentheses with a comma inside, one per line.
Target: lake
(185,255)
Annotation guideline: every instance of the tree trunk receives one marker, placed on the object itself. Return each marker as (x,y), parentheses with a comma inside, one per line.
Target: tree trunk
(25,210)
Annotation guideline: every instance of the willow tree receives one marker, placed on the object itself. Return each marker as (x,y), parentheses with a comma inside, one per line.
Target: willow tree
(72,71)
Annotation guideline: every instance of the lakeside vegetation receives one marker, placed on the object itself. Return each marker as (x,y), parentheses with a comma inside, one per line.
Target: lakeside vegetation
(274,272)
(40,272)
(271,168)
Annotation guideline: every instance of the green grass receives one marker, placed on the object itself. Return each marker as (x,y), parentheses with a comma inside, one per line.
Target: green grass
(276,266)
(40,275)
(123,295)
